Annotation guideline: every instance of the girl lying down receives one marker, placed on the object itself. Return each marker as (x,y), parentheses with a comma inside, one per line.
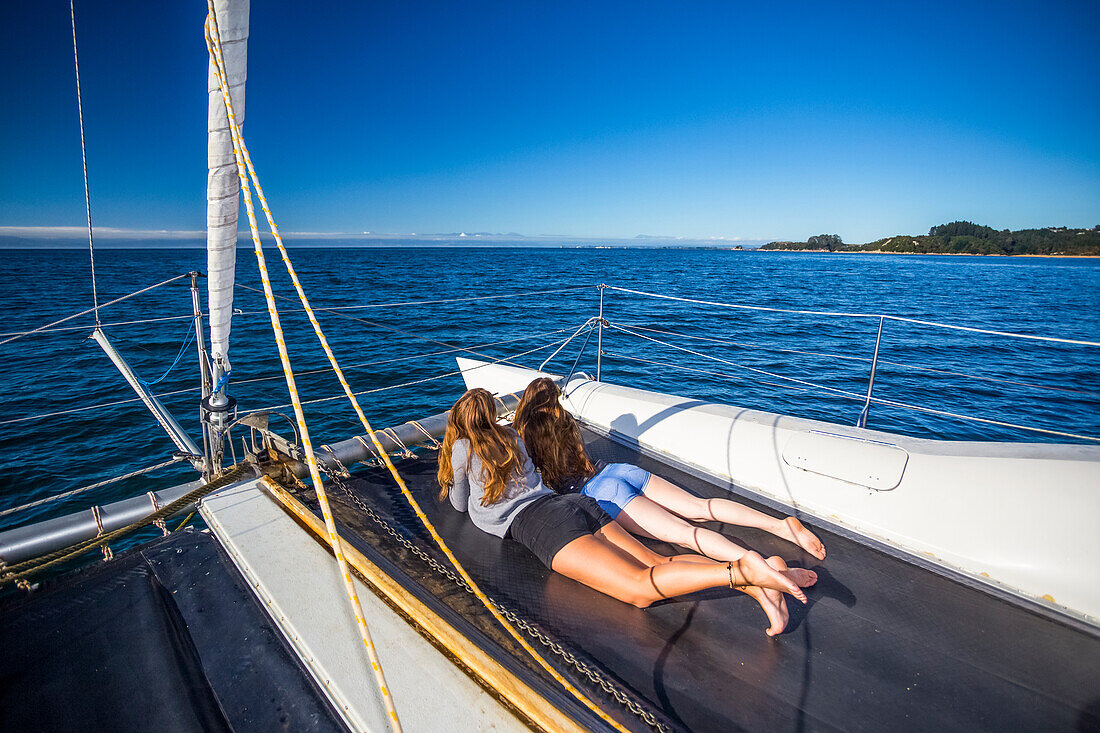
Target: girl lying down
(485,470)
(644,504)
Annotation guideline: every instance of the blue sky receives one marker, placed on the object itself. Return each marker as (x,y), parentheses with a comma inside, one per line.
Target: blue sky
(761,121)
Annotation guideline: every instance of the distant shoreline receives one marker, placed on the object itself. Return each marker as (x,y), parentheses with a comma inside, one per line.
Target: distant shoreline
(928,254)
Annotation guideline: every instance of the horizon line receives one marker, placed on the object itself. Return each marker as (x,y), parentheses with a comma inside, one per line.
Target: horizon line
(119,233)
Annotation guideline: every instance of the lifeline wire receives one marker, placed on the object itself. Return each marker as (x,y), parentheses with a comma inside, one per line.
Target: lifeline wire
(66,329)
(831,314)
(376,324)
(21,334)
(863,359)
(420,381)
(81,490)
(84,161)
(173,393)
(242,158)
(846,394)
(213,43)
(469,299)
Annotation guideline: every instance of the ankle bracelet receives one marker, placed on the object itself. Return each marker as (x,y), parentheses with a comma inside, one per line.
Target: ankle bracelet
(729,567)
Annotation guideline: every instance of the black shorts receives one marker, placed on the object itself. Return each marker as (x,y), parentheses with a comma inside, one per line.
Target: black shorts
(550,523)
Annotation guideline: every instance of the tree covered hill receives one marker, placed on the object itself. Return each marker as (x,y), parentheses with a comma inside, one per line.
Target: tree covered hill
(964,237)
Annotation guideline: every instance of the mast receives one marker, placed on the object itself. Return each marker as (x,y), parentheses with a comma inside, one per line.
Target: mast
(222,197)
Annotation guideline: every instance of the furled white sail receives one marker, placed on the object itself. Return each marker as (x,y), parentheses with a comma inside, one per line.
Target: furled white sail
(223,186)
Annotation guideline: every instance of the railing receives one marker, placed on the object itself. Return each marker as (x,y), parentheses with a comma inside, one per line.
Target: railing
(640,332)
(544,340)
(596,325)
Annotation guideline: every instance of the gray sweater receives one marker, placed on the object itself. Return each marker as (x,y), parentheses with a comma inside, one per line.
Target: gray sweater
(469,488)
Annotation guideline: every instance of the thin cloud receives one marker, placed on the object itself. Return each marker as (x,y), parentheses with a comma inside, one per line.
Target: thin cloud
(105,232)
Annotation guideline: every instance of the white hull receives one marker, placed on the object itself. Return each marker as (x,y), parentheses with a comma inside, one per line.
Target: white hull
(1018,517)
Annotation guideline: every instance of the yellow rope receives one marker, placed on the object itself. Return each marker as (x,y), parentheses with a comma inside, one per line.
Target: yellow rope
(213,43)
(238,141)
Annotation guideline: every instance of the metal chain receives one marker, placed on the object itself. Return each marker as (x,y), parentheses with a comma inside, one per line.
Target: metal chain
(593,675)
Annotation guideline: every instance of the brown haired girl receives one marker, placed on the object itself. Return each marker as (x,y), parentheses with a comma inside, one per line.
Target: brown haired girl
(642,503)
(485,470)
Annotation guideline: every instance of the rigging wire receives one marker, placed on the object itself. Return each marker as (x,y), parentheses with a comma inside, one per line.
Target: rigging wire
(179,355)
(444,300)
(384,327)
(65,329)
(280,376)
(419,381)
(834,390)
(58,413)
(900,319)
(191,316)
(864,360)
(81,490)
(861,398)
(84,161)
(592,330)
(89,310)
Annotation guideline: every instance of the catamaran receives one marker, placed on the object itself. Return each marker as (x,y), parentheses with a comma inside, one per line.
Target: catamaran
(332,590)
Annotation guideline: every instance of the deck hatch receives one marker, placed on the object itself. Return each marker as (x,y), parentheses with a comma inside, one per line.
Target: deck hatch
(867,463)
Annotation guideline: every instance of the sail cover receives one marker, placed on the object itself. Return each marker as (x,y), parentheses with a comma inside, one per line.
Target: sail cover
(223,186)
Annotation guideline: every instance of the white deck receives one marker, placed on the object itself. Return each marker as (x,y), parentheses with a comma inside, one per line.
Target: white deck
(297,579)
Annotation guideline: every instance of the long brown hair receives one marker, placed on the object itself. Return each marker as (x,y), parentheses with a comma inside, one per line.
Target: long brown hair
(551,435)
(474,417)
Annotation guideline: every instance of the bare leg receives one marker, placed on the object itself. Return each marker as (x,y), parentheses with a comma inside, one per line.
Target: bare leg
(594,561)
(690,506)
(616,535)
(645,517)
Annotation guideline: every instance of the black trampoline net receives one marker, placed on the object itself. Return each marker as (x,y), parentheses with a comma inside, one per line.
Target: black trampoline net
(881,644)
(165,637)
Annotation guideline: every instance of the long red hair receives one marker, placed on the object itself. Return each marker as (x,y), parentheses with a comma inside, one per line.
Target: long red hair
(551,436)
(474,417)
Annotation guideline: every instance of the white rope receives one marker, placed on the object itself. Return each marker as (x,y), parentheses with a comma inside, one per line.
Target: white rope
(832,314)
(862,359)
(84,161)
(89,310)
(877,400)
(74,492)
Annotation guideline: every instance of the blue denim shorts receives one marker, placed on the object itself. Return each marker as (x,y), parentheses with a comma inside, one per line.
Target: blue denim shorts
(616,485)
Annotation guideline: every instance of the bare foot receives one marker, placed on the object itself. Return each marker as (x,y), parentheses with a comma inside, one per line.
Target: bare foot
(752,569)
(803,577)
(793,530)
(775,607)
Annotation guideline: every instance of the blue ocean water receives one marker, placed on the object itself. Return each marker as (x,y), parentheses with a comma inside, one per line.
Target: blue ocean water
(776,362)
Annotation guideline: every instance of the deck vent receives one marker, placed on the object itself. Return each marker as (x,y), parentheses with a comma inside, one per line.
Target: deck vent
(868,463)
